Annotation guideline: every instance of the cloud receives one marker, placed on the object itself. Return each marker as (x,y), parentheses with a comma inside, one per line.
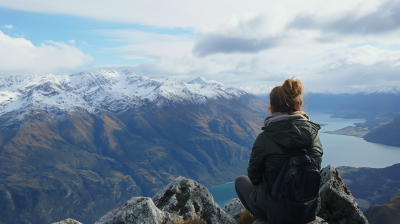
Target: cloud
(8,26)
(19,55)
(385,18)
(365,65)
(324,43)
(208,44)
(173,13)
(341,24)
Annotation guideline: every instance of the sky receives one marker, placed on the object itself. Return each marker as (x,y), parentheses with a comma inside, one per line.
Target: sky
(325,44)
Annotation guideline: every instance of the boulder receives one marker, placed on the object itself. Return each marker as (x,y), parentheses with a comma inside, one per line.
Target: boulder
(337,203)
(68,221)
(138,210)
(234,207)
(190,200)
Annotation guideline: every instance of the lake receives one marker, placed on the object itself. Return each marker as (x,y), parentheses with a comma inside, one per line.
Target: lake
(339,150)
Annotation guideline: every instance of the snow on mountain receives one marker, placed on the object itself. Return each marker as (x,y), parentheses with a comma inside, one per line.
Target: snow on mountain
(365,90)
(204,82)
(339,90)
(104,89)
(260,90)
(263,90)
(383,90)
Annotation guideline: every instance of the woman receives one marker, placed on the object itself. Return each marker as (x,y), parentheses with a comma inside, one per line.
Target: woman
(289,126)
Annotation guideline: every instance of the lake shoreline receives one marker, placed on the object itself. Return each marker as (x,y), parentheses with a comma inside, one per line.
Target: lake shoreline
(339,151)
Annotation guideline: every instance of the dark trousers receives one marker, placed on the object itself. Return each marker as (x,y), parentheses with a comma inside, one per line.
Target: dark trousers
(243,189)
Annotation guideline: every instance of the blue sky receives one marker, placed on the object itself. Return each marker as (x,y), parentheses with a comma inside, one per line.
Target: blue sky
(86,32)
(326,44)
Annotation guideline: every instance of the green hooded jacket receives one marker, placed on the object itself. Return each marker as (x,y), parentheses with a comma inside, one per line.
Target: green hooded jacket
(266,155)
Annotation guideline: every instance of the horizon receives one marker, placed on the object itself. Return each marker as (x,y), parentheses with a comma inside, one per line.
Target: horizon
(326,45)
(255,90)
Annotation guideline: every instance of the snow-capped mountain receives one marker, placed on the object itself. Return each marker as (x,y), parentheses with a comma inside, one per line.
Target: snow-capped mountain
(260,90)
(386,89)
(105,89)
(84,143)
(263,90)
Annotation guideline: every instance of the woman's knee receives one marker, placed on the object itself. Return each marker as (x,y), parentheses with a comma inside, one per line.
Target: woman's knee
(241,179)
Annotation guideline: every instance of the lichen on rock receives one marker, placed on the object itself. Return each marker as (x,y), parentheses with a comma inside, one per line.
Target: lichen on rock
(234,207)
(138,210)
(189,199)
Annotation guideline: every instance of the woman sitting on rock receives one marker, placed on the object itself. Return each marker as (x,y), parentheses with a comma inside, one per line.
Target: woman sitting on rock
(288,126)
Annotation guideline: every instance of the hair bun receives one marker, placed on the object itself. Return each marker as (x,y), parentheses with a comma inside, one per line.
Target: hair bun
(288,97)
(293,87)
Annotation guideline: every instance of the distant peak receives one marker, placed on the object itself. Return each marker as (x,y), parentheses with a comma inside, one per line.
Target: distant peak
(127,71)
(204,81)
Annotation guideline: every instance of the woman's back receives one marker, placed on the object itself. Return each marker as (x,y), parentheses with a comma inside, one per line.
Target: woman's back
(267,157)
(288,126)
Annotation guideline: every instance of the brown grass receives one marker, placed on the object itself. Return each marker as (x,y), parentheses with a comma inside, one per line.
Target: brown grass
(246,217)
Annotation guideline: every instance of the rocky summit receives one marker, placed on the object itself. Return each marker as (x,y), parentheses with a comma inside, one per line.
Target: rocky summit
(185,199)
(338,204)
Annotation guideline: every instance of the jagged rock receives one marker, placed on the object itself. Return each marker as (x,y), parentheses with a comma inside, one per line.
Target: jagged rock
(234,207)
(189,199)
(140,210)
(68,221)
(319,220)
(337,203)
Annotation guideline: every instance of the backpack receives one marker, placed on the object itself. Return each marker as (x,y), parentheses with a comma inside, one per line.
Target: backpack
(294,196)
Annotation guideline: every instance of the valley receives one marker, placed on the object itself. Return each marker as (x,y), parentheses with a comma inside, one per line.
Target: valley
(80,145)
(372,186)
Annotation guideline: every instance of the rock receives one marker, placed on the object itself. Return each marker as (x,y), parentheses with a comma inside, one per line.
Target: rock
(137,210)
(68,221)
(189,199)
(234,207)
(260,221)
(319,220)
(337,203)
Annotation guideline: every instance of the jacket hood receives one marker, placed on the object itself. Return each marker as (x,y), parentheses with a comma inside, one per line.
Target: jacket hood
(293,134)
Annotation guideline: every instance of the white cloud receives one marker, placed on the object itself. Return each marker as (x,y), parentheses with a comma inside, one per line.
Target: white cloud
(364,55)
(19,55)
(8,26)
(183,13)
(72,41)
(251,42)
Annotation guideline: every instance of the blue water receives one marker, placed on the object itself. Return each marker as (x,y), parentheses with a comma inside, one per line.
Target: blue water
(339,150)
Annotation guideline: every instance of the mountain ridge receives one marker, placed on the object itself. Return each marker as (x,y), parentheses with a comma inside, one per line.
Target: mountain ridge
(89,91)
(64,145)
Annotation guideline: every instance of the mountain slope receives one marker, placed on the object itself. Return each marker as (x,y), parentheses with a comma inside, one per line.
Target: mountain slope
(388,213)
(388,134)
(372,186)
(77,146)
